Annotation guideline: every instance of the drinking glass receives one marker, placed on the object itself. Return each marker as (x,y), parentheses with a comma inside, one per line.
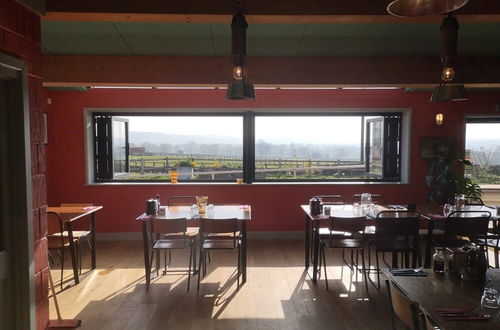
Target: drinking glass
(201,203)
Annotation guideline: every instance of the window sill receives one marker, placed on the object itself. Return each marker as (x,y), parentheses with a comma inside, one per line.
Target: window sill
(244,184)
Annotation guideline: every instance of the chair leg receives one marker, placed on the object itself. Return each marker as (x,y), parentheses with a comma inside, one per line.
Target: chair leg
(239,270)
(165,262)
(496,250)
(323,255)
(190,261)
(199,267)
(378,271)
(391,309)
(62,267)
(363,268)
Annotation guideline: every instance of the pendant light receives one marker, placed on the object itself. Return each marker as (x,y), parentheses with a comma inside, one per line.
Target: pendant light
(413,8)
(239,88)
(449,35)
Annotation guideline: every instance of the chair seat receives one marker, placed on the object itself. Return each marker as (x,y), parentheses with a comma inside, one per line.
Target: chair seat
(229,235)
(171,244)
(450,241)
(76,234)
(191,233)
(54,242)
(425,232)
(326,232)
(347,243)
(395,245)
(220,244)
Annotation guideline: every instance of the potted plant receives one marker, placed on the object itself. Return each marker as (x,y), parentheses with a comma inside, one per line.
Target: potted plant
(445,178)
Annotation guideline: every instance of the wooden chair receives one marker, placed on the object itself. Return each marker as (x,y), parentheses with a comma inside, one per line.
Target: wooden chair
(376,199)
(427,323)
(407,310)
(344,233)
(395,232)
(56,238)
(219,234)
(80,235)
(171,235)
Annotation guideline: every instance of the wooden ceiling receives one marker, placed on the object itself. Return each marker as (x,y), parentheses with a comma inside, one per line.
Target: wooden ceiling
(308,42)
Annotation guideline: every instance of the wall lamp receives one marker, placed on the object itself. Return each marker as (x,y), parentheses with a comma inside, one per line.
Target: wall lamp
(439,119)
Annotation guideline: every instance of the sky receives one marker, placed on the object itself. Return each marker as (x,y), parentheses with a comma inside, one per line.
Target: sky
(338,130)
(483,131)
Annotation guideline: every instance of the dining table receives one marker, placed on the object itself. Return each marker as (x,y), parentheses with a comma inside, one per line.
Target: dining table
(71,214)
(430,214)
(241,212)
(447,291)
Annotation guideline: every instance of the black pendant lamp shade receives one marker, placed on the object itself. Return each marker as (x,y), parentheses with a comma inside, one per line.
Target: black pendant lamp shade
(413,8)
(239,88)
(449,40)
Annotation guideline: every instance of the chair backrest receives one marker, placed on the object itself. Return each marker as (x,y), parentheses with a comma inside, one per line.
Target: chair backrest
(168,226)
(331,199)
(376,199)
(76,204)
(403,307)
(181,200)
(349,225)
(467,223)
(391,224)
(55,223)
(217,226)
(427,322)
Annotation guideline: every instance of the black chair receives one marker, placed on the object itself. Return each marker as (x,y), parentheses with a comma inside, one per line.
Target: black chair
(463,226)
(492,240)
(171,235)
(345,234)
(376,199)
(181,200)
(219,234)
(395,232)
(331,199)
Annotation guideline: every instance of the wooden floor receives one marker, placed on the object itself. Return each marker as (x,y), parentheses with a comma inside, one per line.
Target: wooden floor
(277,295)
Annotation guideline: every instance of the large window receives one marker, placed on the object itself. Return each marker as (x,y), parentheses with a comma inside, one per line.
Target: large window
(482,148)
(256,147)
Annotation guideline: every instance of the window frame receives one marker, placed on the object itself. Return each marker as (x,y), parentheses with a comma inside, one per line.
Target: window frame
(249,139)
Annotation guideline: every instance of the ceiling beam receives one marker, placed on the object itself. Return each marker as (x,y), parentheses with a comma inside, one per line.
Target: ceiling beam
(257,11)
(402,71)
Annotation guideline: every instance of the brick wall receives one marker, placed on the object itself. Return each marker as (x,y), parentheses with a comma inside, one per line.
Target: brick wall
(20,37)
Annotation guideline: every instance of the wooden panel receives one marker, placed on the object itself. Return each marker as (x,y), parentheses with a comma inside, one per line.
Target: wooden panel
(278,11)
(408,71)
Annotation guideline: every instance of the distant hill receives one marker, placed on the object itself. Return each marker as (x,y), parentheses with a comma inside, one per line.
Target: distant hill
(139,138)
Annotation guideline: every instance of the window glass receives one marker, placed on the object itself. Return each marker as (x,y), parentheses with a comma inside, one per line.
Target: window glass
(482,148)
(318,147)
(199,148)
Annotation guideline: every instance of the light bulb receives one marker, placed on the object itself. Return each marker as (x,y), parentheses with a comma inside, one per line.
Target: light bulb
(448,74)
(237,72)
(439,119)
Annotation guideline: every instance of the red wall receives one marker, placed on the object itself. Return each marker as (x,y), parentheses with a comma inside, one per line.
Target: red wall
(275,207)
(20,37)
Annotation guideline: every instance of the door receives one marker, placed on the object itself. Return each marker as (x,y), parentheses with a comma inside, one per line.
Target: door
(119,133)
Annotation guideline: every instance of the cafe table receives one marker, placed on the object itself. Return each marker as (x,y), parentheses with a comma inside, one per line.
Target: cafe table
(432,213)
(312,224)
(444,291)
(69,215)
(241,213)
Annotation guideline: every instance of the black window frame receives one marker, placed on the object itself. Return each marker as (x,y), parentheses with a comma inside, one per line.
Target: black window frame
(391,169)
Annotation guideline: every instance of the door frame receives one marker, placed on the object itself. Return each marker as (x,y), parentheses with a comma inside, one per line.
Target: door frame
(17,186)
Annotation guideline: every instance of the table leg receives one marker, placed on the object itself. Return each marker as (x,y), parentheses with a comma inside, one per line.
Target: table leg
(307,232)
(145,241)
(428,253)
(243,251)
(92,239)
(315,250)
(69,228)
(394,260)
